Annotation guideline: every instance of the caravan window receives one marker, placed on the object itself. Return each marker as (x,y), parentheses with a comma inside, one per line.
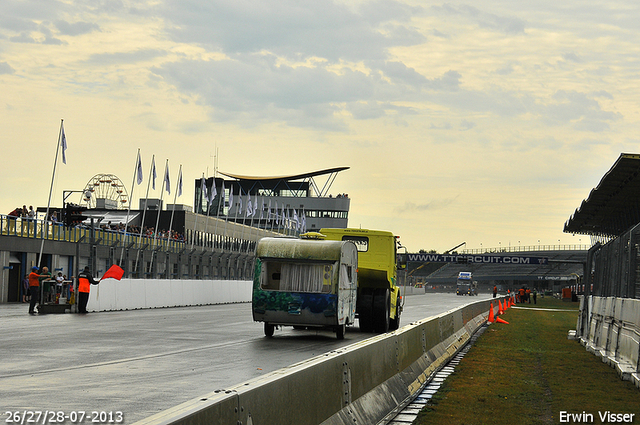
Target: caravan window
(362,242)
(296,277)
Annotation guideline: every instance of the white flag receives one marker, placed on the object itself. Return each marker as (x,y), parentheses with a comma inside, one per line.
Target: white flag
(203,185)
(167,183)
(139,169)
(180,182)
(64,145)
(249,206)
(255,206)
(213,192)
(153,172)
(269,212)
(230,198)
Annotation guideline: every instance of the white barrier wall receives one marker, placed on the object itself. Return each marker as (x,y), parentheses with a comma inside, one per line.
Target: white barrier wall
(612,332)
(131,294)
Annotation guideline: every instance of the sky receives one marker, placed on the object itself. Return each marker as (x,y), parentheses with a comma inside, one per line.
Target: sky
(484,122)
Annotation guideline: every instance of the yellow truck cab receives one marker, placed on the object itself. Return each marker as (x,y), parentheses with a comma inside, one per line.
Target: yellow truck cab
(379,302)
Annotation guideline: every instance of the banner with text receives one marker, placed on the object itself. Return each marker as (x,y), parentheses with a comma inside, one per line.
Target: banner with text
(476,259)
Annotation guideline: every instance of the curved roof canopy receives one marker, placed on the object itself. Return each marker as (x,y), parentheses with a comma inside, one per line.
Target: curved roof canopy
(614,205)
(287,178)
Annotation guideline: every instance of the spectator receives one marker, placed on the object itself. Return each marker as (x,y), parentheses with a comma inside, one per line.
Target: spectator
(25,288)
(34,289)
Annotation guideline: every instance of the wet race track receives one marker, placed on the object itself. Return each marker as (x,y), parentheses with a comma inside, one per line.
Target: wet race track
(144,361)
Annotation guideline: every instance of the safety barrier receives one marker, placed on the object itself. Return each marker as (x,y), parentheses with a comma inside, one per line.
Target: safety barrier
(131,294)
(612,332)
(359,384)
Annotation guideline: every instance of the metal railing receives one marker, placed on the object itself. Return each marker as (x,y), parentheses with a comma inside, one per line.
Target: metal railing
(614,268)
(527,248)
(55,231)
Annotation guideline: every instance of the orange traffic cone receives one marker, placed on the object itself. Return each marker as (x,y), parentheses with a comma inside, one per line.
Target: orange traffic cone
(500,311)
(506,304)
(499,320)
(490,319)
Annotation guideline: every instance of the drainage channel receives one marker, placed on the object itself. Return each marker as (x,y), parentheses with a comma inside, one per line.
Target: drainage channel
(409,412)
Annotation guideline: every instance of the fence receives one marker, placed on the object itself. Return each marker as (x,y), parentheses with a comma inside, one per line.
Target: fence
(612,269)
(201,256)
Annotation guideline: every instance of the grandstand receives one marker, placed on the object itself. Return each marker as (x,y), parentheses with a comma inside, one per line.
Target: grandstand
(564,268)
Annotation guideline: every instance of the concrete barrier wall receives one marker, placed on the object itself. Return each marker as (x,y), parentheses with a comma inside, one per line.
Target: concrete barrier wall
(130,294)
(612,332)
(358,384)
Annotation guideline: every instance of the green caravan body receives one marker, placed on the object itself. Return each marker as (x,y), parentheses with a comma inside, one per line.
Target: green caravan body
(305,283)
(379,300)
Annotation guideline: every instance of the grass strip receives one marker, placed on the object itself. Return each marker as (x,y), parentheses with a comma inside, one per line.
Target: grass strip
(528,372)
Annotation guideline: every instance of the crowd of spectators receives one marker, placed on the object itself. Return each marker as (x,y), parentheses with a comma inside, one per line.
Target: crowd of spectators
(23,212)
(149,232)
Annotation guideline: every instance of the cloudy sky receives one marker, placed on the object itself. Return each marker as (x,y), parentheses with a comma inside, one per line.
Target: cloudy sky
(479,122)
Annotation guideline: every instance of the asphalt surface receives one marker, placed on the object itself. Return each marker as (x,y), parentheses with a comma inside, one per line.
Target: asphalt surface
(141,362)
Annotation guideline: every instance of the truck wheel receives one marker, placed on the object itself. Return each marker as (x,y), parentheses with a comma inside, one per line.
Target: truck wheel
(340,330)
(381,311)
(365,311)
(394,324)
(268,329)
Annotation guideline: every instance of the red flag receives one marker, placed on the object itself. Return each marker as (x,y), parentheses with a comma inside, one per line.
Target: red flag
(114,272)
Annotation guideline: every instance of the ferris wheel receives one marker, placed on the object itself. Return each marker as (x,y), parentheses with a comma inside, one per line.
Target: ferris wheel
(105,191)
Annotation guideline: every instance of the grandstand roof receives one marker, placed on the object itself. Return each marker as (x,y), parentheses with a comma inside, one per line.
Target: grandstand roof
(290,177)
(614,205)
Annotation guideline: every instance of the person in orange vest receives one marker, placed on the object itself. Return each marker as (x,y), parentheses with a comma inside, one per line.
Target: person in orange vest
(85,280)
(495,290)
(528,295)
(521,295)
(34,289)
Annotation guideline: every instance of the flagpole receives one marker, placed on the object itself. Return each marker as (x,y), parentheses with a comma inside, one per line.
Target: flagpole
(215,173)
(203,188)
(53,176)
(175,197)
(155,232)
(195,221)
(166,171)
(126,223)
(255,209)
(206,225)
(215,230)
(272,221)
(226,216)
(235,220)
(244,220)
(146,205)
